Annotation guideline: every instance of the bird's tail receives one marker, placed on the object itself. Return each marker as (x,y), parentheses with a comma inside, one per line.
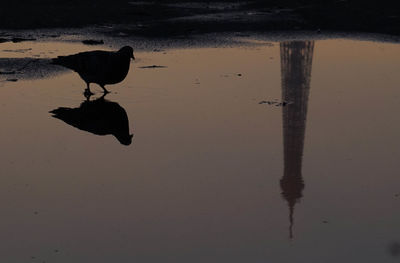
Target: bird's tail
(68,115)
(61,112)
(60,60)
(70,62)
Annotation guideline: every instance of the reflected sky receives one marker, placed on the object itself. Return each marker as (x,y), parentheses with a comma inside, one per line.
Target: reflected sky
(211,174)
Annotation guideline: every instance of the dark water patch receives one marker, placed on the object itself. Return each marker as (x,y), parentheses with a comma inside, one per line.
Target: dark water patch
(7,72)
(21,50)
(21,39)
(28,68)
(275,103)
(93,42)
(153,66)
(394,249)
(16,39)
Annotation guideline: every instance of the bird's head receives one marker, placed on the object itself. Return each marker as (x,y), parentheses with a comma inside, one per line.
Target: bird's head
(125,140)
(127,51)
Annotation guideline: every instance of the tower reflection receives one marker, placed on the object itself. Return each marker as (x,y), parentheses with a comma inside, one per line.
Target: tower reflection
(296,62)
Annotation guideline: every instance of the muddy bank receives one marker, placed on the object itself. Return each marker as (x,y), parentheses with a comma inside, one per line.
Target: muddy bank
(14,69)
(183,18)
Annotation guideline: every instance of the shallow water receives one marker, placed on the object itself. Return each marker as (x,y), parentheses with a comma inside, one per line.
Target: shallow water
(218,170)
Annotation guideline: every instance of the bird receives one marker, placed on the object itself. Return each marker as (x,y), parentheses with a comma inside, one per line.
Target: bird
(99,66)
(100,117)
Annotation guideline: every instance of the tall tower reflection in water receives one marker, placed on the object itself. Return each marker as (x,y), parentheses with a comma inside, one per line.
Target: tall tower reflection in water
(296,62)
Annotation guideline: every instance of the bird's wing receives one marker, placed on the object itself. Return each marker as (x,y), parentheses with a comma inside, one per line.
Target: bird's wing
(85,62)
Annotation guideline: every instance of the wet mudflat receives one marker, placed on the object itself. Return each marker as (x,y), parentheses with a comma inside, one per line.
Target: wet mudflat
(276,151)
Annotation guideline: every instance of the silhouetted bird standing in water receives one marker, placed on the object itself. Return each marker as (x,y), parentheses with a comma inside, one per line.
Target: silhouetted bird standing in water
(100,116)
(100,67)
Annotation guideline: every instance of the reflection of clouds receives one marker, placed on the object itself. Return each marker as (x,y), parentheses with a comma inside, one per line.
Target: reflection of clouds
(28,68)
(394,249)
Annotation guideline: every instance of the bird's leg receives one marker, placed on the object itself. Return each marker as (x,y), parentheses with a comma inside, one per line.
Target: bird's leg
(102,96)
(87,96)
(87,92)
(105,91)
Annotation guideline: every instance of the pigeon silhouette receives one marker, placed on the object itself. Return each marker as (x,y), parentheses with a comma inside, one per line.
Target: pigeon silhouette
(100,117)
(100,67)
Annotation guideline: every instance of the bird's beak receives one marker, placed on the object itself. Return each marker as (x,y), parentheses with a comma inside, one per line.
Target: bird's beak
(133,57)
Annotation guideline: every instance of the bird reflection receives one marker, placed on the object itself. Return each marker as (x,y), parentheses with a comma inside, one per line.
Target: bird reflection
(100,117)
(296,62)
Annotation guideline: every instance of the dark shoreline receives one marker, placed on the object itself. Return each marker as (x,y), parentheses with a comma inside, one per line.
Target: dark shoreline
(183,18)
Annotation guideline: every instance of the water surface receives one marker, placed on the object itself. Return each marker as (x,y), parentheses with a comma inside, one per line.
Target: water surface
(275,152)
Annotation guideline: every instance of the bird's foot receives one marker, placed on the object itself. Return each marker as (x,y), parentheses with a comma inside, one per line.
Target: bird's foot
(104,89)
(87,93)
(103,96)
